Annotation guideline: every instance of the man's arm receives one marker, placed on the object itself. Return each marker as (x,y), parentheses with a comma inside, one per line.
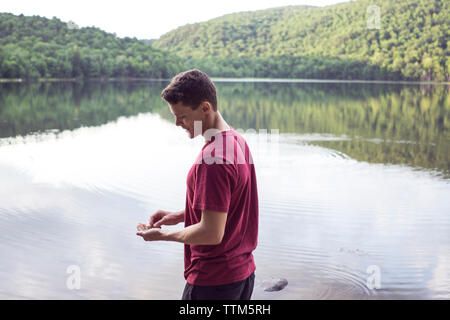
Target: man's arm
(180,215)
(209,231)
(163,217)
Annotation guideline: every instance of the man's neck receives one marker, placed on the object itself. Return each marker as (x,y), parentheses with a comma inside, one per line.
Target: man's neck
(219,123)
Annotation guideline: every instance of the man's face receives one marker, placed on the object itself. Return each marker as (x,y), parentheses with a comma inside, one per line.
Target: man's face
(185,116)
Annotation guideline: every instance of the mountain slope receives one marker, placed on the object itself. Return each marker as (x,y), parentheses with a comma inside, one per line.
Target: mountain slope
(411,43)
(40,47)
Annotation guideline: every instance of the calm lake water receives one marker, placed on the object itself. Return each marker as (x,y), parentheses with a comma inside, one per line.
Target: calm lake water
(354,188)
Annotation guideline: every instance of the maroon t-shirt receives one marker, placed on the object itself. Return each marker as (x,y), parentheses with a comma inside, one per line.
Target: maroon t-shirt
(223,179)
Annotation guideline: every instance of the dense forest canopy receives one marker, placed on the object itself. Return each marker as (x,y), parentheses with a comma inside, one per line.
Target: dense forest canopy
(41,47)
(409,41)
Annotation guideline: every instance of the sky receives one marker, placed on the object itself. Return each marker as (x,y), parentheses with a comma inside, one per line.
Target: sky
(143,19)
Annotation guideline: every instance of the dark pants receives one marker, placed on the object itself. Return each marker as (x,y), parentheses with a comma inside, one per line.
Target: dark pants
(241,290)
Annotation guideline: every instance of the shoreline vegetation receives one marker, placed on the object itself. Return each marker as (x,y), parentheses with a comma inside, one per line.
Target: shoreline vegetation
(333,42)
(225,79)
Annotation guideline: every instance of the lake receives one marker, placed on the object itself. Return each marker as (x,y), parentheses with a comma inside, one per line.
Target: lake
(353,179)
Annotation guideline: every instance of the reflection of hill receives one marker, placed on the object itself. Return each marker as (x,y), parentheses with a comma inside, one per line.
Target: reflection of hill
(26,108)
(371,111)
(429,156)
(367,111)
(395,113)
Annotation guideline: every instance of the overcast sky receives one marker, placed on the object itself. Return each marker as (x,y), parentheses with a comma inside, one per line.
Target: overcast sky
(142,19)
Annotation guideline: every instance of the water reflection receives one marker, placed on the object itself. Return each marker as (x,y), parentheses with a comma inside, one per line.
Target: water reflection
(73,196)
(384,123)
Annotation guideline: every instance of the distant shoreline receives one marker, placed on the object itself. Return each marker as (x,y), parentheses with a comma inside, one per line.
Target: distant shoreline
(219,79)
(325,81)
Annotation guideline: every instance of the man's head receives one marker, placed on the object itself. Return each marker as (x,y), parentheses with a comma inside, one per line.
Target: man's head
(191,96)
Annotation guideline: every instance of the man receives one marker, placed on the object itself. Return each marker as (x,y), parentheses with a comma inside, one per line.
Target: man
(221,210)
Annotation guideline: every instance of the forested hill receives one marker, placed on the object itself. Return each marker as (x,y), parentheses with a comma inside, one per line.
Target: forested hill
(40,47)
(341,41)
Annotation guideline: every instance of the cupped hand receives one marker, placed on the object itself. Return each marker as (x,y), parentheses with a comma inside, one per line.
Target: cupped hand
(152,234)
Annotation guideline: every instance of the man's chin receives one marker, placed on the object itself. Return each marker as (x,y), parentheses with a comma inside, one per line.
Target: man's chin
(190,134)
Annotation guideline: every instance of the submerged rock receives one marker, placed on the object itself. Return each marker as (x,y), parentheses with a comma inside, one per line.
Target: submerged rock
(275,284)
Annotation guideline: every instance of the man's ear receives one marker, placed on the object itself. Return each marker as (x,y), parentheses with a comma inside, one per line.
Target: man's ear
(206,107)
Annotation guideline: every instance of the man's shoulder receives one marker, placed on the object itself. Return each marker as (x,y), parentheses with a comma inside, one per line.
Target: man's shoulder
(227,148)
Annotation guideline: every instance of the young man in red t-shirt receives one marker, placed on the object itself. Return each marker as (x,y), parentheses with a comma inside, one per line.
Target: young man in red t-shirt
(221,211)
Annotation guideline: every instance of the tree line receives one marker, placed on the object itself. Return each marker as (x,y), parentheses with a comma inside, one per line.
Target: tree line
(409,41)
(37,47)
(401,40)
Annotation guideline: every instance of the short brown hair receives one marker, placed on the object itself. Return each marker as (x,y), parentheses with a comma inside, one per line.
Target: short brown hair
(191,87)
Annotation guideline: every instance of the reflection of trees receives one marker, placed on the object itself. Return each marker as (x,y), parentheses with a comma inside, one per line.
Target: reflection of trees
(26,108)
(429,156)
(401,113)
(419,115)
(415,115)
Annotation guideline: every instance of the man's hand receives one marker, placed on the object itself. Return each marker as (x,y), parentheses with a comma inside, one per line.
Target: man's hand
(162,217)
(209,231)
(153,234)
(152,231)
(142,227)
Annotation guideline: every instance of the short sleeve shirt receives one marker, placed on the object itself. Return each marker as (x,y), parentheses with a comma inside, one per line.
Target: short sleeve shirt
(223,179)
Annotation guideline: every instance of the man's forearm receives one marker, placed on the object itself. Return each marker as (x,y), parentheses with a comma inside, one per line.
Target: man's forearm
(181,215)
(195,234)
